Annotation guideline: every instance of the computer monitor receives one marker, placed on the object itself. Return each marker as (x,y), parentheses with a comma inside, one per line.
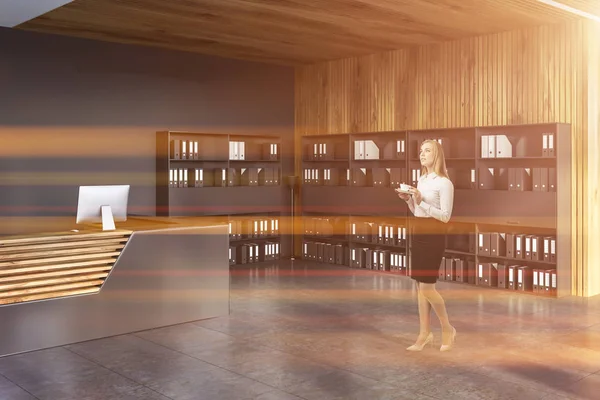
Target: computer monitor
(105,204)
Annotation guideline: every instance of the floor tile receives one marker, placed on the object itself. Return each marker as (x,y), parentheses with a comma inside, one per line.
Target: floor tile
(186,336)
(58,374)
(9,390)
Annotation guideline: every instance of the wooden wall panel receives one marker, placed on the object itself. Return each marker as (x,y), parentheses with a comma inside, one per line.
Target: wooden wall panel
(531,75)
(591,162)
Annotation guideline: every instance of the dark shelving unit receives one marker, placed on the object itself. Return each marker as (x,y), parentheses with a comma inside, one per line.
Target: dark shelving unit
(237,177)
(510,182)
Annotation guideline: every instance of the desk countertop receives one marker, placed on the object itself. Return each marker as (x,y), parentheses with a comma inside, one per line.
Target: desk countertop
(13,229)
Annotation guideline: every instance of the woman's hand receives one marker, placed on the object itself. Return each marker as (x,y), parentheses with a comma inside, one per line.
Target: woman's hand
(404,196)
(416,195)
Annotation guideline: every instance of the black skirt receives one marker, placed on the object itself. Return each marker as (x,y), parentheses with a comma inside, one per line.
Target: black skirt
(428,243)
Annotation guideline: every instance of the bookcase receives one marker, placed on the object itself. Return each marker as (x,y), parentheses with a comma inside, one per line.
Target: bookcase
(511,221)
(236,177)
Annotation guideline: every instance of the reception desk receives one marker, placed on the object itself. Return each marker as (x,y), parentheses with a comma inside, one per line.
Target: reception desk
(67,286)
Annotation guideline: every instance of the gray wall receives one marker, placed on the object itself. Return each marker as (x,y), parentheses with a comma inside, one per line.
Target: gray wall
(75,112)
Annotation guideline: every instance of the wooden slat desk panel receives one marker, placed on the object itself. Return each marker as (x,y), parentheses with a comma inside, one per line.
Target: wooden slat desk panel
(57,265)
(44,263)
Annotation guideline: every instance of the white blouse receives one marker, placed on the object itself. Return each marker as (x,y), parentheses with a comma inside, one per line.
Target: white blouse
(437,194)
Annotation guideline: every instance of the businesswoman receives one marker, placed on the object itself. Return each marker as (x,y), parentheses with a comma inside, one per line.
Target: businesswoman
(431,203)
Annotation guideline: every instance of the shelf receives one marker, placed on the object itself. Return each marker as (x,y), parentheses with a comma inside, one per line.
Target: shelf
(458,252)
(450,159)
(378,159)
(519,261)
(509,159)
(517,162)
(313,238)
(370,244)
(337,160)
(198,160)
(254,161)
(255,239)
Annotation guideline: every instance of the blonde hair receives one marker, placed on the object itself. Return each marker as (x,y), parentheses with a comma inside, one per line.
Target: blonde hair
(439,161)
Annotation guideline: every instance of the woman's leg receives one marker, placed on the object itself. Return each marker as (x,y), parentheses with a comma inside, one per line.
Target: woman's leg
(439,306)
(424,316)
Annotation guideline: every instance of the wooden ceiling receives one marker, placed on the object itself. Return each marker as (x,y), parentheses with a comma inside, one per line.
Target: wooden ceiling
(294,32)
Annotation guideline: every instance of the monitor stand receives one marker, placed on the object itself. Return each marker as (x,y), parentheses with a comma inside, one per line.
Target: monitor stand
(108,222)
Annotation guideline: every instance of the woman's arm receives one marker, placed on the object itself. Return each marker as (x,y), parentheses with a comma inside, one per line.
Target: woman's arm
(446,203)
(411,204)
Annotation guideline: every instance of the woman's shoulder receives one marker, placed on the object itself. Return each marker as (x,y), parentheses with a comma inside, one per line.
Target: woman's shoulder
(446,182)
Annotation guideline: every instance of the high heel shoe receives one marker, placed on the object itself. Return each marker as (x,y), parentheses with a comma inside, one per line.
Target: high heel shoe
(419,347)
(446,347)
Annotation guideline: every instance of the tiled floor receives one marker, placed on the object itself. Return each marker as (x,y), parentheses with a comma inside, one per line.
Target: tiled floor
(300,331)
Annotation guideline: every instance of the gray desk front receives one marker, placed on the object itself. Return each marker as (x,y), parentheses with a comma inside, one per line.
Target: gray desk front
(165,274)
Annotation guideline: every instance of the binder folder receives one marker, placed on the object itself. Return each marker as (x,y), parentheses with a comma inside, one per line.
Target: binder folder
(471,272)
(442,270)
(524,279)
(484,243)
(503,147)
(502,276)
(359,177)
(528,246)
(233,177)
(497,244)
(175,151)
(486,178)
(249,177)
(359,149)
(512,276)
(232,255)
(510,245)
(535,248)
(460,270)
(400,149)
(220,177)
(487,274)
(329,253)
(538,280)
(381,177)
(450,269)
(552,179)
(540,179)
(546,249)
(339,254)
(485,153)
(550,282)
(519,246)
(371,150)
(369,256)
(521,179)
